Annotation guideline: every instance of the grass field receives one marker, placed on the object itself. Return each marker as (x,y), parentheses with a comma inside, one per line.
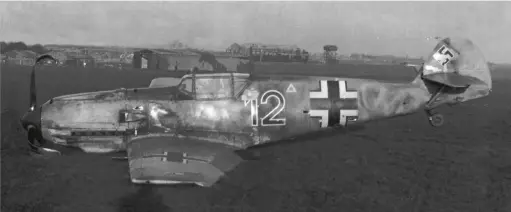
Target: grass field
(394,165)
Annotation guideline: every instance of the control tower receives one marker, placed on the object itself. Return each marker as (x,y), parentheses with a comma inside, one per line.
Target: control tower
(330,54)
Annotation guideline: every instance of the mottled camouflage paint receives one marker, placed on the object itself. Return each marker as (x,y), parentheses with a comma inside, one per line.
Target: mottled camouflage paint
(167,160)
(147,121)
(89,112)
(383,100)
(160,111)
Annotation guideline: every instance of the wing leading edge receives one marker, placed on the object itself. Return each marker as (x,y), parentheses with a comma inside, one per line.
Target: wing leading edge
(175,160)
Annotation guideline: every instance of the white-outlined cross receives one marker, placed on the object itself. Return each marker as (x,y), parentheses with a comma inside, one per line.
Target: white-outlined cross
(324,94)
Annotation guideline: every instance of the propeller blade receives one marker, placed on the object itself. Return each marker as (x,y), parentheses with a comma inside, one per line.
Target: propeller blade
(29,121)
(33,91)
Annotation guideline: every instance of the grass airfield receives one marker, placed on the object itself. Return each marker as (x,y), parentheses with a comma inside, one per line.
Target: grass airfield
(393,165)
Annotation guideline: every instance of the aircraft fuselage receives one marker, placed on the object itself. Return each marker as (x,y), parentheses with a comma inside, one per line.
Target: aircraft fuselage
(252,113)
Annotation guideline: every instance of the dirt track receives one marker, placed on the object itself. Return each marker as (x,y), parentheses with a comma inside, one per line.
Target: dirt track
(401,164)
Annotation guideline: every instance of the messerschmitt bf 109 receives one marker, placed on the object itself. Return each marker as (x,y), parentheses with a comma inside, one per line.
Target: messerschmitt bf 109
(192,132)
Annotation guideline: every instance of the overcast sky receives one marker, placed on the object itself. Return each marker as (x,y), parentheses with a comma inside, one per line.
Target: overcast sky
(373,27)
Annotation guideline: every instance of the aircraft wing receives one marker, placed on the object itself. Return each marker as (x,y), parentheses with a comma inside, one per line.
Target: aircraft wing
(172,160)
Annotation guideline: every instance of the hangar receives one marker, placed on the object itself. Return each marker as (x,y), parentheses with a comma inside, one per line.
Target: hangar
(182,60)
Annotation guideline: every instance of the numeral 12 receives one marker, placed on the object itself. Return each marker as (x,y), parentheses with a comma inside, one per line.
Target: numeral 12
(270,119)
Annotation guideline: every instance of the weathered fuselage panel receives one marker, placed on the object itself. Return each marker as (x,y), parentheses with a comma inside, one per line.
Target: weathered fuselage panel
(262,111)
(292,107)
(88,121)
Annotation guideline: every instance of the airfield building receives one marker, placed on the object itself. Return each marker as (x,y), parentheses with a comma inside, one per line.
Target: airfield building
(60,56)
(21,57)
(150,59)
(269,52)
(182,60)
(80,60)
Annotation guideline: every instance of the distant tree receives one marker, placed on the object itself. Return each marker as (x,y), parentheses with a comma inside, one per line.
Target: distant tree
(6,47)
(38,48)
(13,46)
(177,44)
(17,46)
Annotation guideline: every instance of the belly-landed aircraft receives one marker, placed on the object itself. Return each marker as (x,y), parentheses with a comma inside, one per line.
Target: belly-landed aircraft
(191,131)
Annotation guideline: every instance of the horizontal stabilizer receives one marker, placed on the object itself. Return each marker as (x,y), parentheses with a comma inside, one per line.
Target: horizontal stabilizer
(453,80)
(459,69)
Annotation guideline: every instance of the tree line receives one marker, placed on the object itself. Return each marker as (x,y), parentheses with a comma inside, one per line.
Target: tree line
(18,45)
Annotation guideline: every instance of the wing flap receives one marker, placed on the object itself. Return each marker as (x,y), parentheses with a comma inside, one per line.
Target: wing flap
(226,160)
(173,160)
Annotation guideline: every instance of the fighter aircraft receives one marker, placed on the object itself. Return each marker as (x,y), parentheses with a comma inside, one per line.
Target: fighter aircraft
(190,132)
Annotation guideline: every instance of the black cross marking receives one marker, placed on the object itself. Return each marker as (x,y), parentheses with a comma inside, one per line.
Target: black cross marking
(331,103)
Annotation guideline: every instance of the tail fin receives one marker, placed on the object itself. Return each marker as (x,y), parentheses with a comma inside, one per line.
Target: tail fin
(455,71)
(458,56)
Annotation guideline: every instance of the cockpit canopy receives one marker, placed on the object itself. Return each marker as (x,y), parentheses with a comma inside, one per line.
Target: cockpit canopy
(213,86)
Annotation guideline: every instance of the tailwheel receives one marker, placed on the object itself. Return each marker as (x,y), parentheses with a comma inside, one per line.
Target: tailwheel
(436,120)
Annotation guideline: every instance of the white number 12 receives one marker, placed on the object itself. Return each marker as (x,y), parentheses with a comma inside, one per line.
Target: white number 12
(270,119)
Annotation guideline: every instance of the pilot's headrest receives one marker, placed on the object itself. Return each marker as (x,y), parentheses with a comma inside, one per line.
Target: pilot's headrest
(458,56)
